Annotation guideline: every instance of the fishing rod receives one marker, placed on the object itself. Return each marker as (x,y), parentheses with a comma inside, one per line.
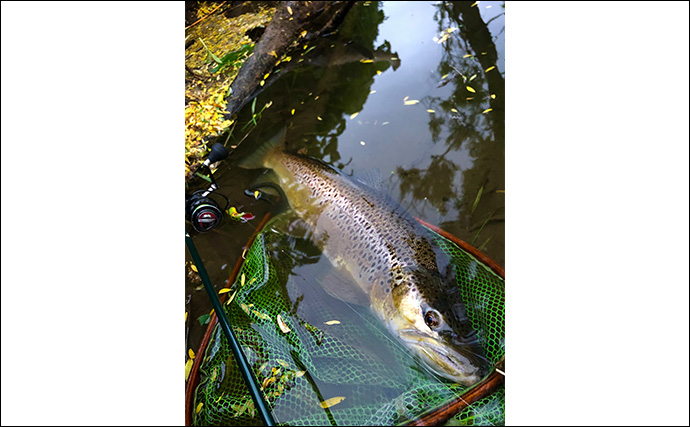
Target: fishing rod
(205,214)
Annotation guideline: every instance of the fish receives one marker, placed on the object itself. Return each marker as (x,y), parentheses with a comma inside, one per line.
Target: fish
(407,281)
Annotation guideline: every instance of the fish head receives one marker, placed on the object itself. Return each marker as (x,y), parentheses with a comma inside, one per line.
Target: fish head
(431,319)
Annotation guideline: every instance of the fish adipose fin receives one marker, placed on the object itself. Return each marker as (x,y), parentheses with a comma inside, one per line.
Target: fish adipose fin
(256,158)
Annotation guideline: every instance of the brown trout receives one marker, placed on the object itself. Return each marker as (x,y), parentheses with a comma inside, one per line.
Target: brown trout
(390,256)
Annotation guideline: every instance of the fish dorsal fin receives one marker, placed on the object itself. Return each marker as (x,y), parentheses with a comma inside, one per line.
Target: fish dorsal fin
(372,178)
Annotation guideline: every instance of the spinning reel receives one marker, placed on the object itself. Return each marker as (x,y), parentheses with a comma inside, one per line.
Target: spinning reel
(201,210)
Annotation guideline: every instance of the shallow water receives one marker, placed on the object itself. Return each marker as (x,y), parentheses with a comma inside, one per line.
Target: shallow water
(441,157)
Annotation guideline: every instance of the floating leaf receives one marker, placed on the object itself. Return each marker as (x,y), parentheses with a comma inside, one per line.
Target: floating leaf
(242,280)
(469,89)
(185,316)
(319,118)
(289,10)
(332,322)
(303,33)
(267,381)
(191,354)
(260,315)
(193,267)
(188,368)
(281,362)
(473,77)
(493,96)
(467,56)
(292,112)
(490,68)
(366,61)
(223,291)
(273,52)
(204,319)
(373,91)
(281,324)
(411,102)
(257,193)
(353,116)
(476,200)
(431,111)
(362,143)
(299,373)
(198,407)
(262,82)
(332,401)
(487,110)
(378,72)
(454,110)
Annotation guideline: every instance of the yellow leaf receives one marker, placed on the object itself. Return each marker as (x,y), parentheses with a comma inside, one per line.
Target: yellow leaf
(332,401)
(373,91)
(362,143)
(292,112)
(319,118)
(454,110)
(299,373)
(282,362)
(500,191)
(378,72)
(431,111)
(191,354)
(194,268)
(467,56)
(493,96)
(287,59)
(289,10)
(474,4)
(469,89)
(188,368)
(353,116)
(333,322)
(185,316)
(266,76)
(273,52)
(211,313)
(198,407)
(257,193)
(473,77)
(262,82)
(223,291)
(366,61)
(490,68)
(411,102)
(444,76)
(267,381)
(487,110)
(303,33)
(242,280)
(406,98)
(283,327)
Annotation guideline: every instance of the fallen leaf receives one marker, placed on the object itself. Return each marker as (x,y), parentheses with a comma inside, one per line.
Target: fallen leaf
(333,322)
(493,96)
(283,327)
(242,278)
(303,33)
(411,102)
(267,381)
(194,268)
(353,116)
(332,401)
(467,56)
(191,354)
(198,407)
(378,72)
(469,89)
(490,68)
(257,193)
(366,61)
(292,112)
(299,373)
(224,290)
(362,142)
(289,10)
(431,111)
(273,52)
(282,362)
(487,110)
(188,368)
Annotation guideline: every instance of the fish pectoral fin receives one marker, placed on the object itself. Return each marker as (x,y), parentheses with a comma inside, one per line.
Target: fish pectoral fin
(340,285)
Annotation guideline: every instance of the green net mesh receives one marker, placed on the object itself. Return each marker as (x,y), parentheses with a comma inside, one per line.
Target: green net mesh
(321,361)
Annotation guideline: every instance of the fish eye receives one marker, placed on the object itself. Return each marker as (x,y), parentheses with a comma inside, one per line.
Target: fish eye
(432,318)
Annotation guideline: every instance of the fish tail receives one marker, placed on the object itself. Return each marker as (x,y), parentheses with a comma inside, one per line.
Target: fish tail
(258,157)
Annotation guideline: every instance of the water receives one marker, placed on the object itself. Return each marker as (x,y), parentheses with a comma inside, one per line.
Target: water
(445,166)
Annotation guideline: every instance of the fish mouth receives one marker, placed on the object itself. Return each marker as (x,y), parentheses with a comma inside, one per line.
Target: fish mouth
(461,365)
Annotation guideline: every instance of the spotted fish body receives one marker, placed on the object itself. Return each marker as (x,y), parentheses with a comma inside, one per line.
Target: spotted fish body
(391,259)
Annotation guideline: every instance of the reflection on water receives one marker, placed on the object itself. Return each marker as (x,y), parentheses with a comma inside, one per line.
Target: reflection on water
(348,99)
